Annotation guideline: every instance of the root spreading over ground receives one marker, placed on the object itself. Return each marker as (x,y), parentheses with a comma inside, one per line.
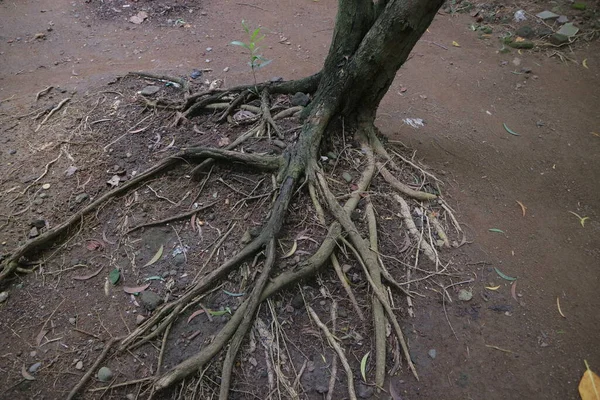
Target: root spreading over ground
(326,171)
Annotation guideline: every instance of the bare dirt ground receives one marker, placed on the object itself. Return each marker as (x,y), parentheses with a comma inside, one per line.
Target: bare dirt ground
(511,342)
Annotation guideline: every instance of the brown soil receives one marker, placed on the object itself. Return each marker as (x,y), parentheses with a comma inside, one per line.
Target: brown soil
(493,347)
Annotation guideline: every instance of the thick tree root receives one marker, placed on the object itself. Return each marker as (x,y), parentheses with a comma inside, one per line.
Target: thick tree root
(261,162)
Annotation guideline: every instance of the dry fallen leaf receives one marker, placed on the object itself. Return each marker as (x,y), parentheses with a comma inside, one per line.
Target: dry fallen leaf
(585,63)
(492,287)
(523,208)
(86,277)
(156,257)
(589,386)
(30,377)
(194,315)
(559,309)
(455,44)
(137,289)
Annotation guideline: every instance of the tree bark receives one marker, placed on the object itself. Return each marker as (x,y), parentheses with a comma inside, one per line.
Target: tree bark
(359,75)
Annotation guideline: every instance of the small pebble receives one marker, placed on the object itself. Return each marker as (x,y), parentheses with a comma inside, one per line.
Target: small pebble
(46,186)
(105,374)
(3,297)
(33,369)
(79,365)
(226,69)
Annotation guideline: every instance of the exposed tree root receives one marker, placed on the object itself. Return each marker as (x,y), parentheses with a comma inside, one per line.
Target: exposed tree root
(297,166)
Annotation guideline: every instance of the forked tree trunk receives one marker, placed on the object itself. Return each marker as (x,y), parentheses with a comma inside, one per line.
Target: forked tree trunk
(371,41)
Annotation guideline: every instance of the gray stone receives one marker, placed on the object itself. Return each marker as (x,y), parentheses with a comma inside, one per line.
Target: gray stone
(544,31)
(563,19)
(139,319)
(276,79)
(558,39)
(568,30)
(12,152)
(179,259)
(525,31)
(3,297)
(38,223)
(72,320)
(347,177)
(43,195)
(150,300)
(465,295)
(298,302)
(34,368)
(38,201)
(364,391)
(149,90)
(80,198)
(33,233)
(300,99)
(432,353)
(105,374)
(79,365)
(547,15)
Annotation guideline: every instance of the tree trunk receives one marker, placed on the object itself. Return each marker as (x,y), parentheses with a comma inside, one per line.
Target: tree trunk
(371,42)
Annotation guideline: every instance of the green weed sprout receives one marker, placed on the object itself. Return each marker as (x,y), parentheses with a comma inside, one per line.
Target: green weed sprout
(257,61)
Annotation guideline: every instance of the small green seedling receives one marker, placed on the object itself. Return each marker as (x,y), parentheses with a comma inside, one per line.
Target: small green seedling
(257,61)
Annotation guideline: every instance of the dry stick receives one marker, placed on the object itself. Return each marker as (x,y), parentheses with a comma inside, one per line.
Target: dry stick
(246,323)
(236,102)
(347,288)
(412,229)
(336,346)
(379,320)
(266,115)
(364,256)
(333,376)
(43,92)
(93,368)
(333,258)
(162,348)
(118,385)
(164,78)
(172,218)
(52,112)
(401,187)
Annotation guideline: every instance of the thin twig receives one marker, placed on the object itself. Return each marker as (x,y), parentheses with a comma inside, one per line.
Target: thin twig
(336,346)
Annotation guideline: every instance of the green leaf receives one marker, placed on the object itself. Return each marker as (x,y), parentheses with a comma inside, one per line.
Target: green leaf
(263,63)
(363,366)
(241,44)
(114,276)
(510,130)
(255,34)
(504,276)
(496,230)
(227,310)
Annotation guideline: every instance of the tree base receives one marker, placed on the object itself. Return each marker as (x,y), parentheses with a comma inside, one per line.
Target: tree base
(327,176)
